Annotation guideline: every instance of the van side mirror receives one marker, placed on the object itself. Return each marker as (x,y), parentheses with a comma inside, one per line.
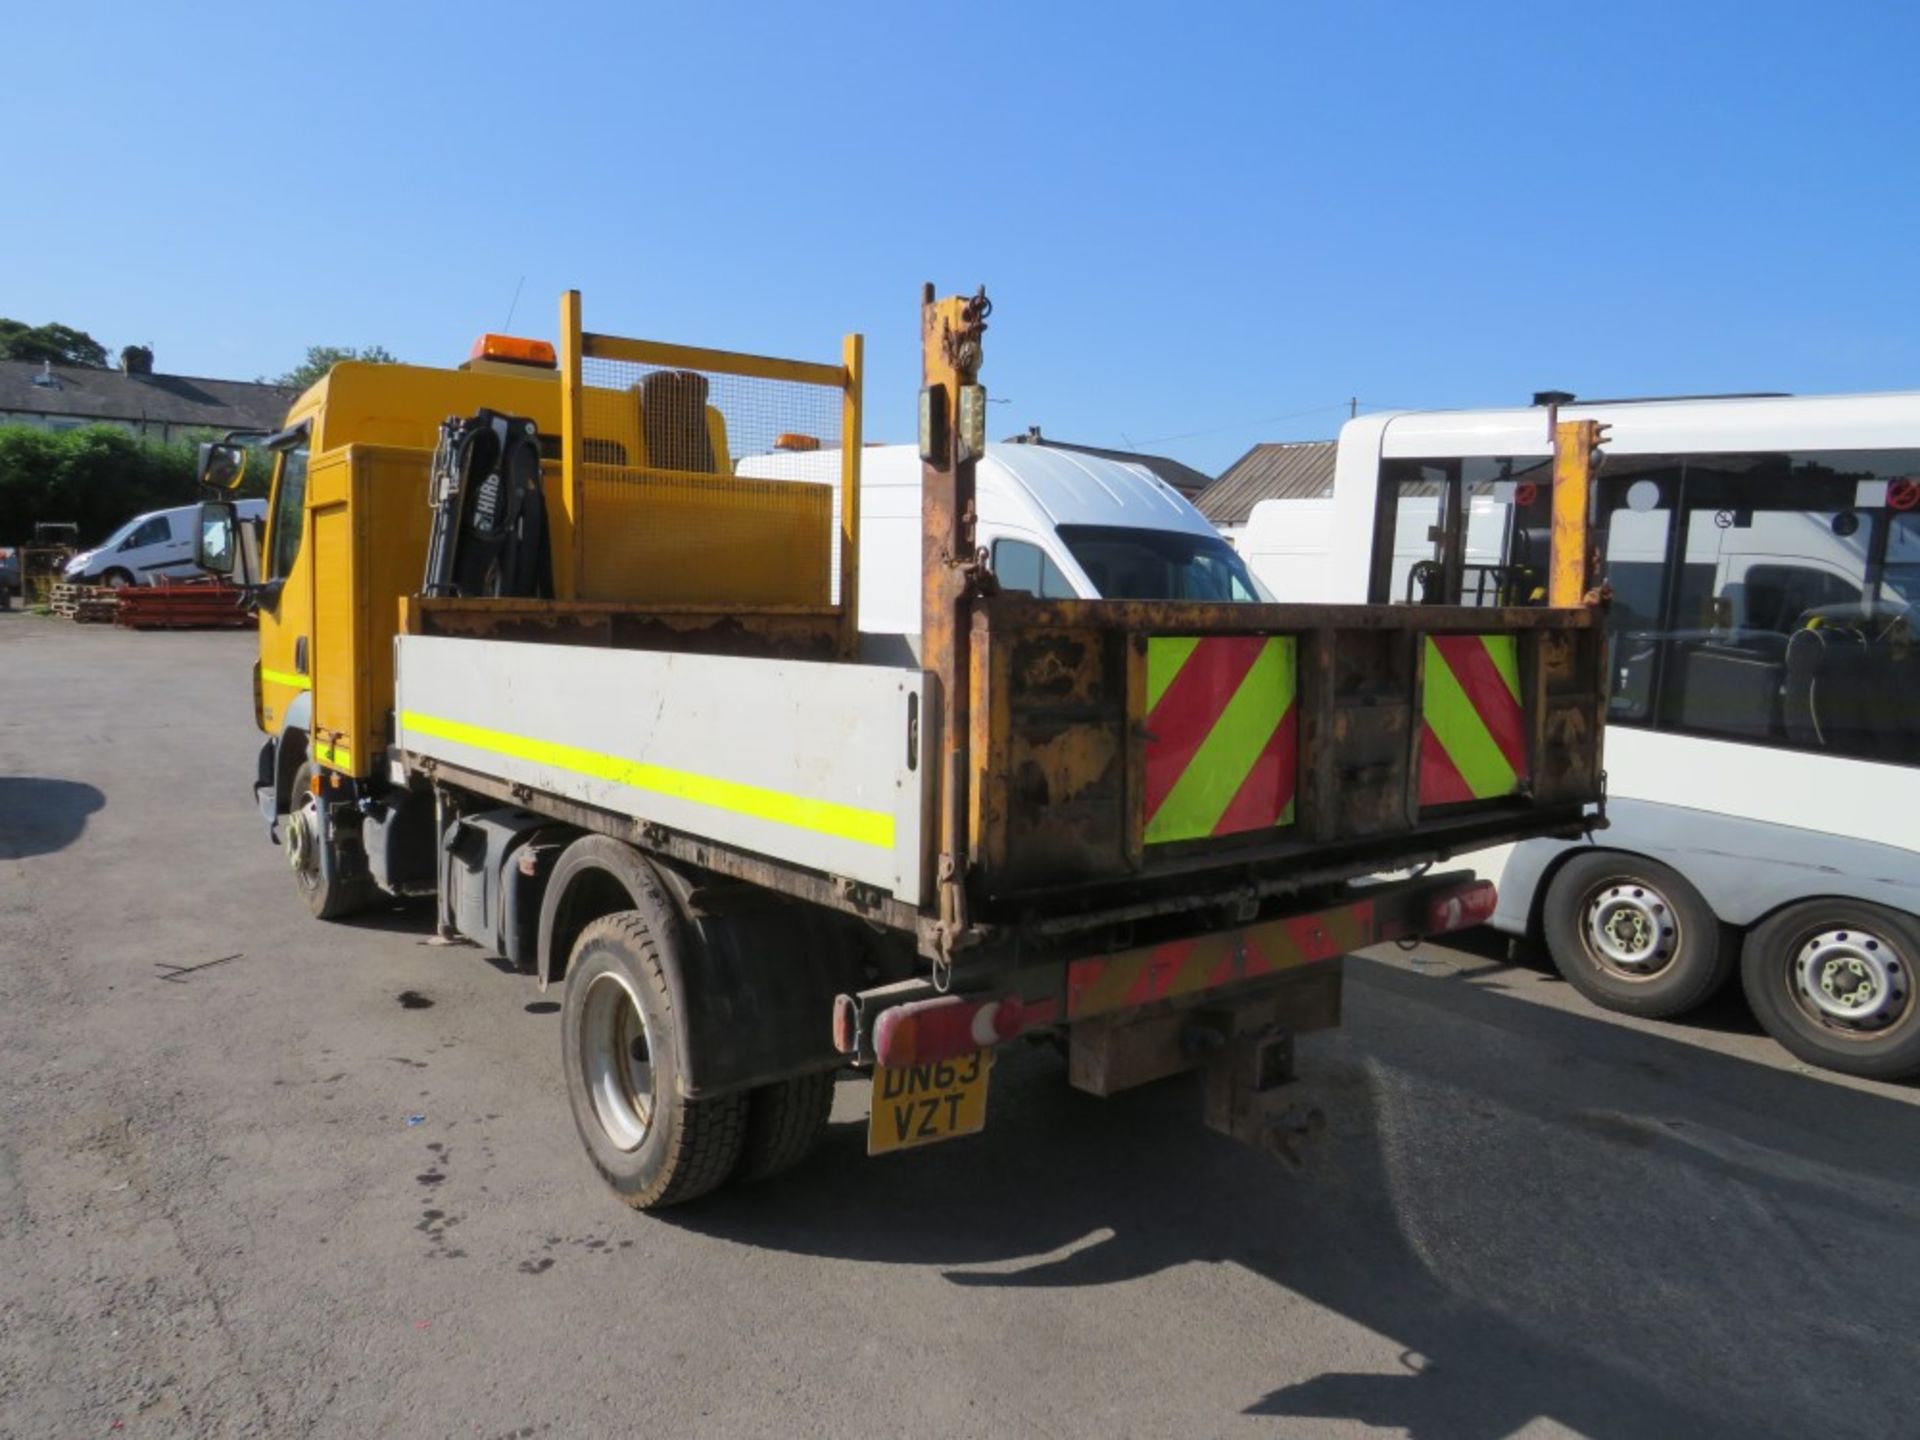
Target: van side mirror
(215,537)
(222,465)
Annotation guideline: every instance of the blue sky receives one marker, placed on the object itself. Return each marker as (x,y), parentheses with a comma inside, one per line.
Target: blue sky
(1203,225)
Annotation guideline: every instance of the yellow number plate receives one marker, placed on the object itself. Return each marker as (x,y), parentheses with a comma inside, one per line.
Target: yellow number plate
(919,1104)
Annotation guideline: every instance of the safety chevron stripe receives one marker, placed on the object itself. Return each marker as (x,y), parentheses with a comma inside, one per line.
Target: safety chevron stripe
(1222,734)
(1473,732)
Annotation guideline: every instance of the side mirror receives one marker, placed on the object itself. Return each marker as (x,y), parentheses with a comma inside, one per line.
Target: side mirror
(215,543)
(222,465)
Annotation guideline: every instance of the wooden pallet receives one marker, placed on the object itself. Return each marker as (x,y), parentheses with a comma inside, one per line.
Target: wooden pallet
(87,604)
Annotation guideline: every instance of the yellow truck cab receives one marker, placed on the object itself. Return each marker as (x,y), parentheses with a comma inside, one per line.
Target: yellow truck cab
(387,417)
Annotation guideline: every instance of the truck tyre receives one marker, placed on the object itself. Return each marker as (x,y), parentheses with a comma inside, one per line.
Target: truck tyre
(785,1121)
(327,898)
(1631,935)
(1834,982)
(655,1146)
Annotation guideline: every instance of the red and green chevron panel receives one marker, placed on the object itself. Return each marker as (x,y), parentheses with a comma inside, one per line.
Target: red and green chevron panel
(1473,731)
(1222,734)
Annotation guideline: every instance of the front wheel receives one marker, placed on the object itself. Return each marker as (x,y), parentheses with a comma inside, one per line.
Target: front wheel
(328,896)
(653,1144)
(116,579)
(1632,935)
(1834,982)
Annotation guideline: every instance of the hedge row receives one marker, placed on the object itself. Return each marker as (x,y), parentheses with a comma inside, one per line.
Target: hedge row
(96,477)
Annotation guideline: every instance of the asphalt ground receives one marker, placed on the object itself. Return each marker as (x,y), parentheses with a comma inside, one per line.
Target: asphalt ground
(1525,1217)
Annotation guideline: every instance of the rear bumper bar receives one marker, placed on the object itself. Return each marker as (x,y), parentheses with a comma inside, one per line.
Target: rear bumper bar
(913,1024)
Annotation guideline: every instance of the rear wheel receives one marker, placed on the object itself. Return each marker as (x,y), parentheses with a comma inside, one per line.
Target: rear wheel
(1834,982)
(785,1121)
(655,1146)
(1632,935)
(328,895)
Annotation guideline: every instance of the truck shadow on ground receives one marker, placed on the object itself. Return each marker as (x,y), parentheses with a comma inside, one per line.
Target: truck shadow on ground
(1065,1190)
(39,816)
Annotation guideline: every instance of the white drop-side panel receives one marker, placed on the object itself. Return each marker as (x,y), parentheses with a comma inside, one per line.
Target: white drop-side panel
(801,762)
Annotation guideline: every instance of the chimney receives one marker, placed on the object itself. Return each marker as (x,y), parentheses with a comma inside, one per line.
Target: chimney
(137,360)
(45,379)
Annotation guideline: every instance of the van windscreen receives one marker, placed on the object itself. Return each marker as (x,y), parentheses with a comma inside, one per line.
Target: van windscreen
(1131,564)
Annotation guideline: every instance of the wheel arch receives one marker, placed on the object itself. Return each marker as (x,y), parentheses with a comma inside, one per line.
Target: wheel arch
(290,749)
(752,976)
(1831,897)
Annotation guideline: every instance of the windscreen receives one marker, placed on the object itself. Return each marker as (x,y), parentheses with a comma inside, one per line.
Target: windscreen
(1129,564)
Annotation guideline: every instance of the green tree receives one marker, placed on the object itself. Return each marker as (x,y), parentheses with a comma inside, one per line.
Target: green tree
(99,477)
(61,344)
(322,358)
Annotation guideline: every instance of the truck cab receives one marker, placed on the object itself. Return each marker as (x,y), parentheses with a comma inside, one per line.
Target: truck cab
(376,407)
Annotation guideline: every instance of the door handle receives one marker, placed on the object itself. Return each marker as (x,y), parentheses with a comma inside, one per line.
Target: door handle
(300,656)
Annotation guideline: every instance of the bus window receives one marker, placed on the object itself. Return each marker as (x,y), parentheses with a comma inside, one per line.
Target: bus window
(1464,531)
(1767,598)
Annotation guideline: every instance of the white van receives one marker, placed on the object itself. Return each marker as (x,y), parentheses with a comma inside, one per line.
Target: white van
(149,547)
(1057,523)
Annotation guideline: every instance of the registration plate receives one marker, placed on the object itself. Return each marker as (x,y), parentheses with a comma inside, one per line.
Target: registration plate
(921,1104)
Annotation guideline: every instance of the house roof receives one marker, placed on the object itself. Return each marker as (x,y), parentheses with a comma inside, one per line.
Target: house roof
(1293,470)
(114,395)
(1184,478)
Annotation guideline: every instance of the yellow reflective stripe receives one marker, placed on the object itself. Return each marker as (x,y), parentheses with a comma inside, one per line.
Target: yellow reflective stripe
(283,677)
(334,754)
(1165,655)
(822,817)
(1504,651)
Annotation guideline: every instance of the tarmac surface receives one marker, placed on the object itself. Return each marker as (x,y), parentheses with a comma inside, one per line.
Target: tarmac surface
(219,1217)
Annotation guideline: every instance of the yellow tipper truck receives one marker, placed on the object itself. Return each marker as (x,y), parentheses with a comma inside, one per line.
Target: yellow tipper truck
(537,640)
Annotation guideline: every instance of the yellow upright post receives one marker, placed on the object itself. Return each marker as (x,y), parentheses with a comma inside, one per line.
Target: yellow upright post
(1575,443)
(851,351)
(570,558)
(952,427)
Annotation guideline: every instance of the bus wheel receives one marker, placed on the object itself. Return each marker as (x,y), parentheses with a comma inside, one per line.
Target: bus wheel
(1631,935)
(1834,982)
(652,1143)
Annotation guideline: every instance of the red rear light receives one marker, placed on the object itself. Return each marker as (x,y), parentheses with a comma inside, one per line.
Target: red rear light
(926,1031)
(846,1024)
(1460,909)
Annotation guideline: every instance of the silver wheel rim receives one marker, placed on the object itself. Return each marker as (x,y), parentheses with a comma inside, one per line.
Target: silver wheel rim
(1630,929)
(616,1060)
(303,858)
(1852,980)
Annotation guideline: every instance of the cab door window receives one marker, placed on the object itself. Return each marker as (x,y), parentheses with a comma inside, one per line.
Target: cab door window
(289,513)
(151,532)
